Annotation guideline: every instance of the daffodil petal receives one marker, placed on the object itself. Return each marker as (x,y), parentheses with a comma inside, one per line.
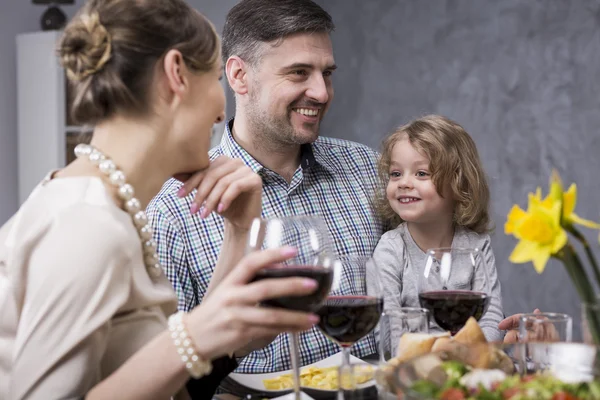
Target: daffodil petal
(535,198)
(555,178)
(569,200)
(556,192)
(540,258)
(547,202)
(574,218)
(515,215)
(554,213)
(559,241)
(523,252)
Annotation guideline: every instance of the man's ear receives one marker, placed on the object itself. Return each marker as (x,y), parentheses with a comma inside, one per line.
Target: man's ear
(236,71)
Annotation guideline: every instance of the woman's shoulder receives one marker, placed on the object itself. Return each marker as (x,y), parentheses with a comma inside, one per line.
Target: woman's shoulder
(73,209)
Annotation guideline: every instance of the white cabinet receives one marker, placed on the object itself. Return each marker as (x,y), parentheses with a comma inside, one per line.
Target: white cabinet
(45,137)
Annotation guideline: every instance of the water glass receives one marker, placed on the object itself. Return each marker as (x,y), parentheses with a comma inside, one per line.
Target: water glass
(394,323)
(545,327)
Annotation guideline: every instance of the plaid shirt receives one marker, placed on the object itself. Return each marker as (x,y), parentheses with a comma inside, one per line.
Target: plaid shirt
(336,179)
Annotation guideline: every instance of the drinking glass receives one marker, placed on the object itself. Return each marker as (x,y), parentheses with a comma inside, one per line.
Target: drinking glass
(396,322)
(314,259)
(454,286)
(393,325)
(545,327)
(348,317)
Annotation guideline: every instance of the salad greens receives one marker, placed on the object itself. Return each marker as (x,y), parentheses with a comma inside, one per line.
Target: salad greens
(464,383)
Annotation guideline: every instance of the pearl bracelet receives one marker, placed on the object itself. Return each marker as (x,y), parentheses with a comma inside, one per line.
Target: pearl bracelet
(196,366)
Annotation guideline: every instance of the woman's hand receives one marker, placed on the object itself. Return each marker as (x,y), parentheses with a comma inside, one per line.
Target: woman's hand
(230,188)
(229,319)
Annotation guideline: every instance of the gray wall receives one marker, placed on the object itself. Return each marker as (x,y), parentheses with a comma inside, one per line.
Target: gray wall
(520,75)
(20,16)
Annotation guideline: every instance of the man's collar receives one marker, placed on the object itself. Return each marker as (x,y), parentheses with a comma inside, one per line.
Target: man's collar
(233,150)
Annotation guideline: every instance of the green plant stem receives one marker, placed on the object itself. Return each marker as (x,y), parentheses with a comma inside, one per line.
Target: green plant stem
(588,252)
(577,273)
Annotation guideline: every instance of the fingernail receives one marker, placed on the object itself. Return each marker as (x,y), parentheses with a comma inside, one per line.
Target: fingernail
(288,251)
(309,283)
(204,213)
(220,207)
(181,192)
(313,319)
(194,208)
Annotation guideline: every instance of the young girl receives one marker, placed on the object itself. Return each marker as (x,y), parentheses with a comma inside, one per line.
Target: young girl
(436,195)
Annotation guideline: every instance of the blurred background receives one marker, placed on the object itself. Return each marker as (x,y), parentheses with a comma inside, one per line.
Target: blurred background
(520,75)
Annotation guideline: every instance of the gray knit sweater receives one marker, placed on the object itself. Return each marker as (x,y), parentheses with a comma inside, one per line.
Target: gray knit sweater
(399,260)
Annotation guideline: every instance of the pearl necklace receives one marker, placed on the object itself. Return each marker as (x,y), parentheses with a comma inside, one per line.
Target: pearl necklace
(132,205)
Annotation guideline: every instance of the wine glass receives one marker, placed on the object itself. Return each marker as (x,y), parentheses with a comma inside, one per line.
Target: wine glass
(454,286)
(348,317)
(310,237)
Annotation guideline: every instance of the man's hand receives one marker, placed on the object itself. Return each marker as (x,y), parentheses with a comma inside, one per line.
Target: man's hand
(511,325)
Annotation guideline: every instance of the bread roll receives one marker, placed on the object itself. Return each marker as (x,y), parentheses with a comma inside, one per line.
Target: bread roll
(414,344)
(441,344)
(471,333)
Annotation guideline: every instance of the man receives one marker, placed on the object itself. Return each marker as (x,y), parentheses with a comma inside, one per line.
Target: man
(278,61)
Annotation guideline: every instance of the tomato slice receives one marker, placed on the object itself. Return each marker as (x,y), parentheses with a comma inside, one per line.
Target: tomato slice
(563,396)
(452,394)
(509,393)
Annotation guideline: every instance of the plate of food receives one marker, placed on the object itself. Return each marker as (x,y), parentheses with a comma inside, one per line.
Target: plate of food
(319,380)
(467,367)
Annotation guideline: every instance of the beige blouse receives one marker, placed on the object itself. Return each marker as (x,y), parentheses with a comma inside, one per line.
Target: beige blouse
(75,298)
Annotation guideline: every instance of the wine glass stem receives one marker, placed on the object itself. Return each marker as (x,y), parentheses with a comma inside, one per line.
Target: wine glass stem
(346,374)
(295,363)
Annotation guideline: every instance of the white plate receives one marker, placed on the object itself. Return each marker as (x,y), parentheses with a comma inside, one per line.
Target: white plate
(255,381)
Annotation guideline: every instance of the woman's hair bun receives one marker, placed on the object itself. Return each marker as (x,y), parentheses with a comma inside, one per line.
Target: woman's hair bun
(85,47)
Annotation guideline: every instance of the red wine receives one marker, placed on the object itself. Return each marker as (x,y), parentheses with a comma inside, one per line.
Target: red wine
(308,303)
(452,308)
(346,319)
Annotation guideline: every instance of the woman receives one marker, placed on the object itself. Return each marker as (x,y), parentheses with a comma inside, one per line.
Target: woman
(84,303)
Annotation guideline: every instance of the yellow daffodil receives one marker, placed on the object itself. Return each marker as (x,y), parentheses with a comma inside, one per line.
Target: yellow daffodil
(569,200)
(542,233)
(538,229)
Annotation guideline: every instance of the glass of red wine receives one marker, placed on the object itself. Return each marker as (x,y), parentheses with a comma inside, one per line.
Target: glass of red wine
(351,316)
(454,285)
(314,259)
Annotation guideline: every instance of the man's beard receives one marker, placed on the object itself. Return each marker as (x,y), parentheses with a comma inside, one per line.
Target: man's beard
(274,130)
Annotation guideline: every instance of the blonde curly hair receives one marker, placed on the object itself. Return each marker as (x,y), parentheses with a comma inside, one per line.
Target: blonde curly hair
(453,162)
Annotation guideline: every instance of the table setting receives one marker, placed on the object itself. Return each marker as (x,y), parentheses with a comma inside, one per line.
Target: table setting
(439,350)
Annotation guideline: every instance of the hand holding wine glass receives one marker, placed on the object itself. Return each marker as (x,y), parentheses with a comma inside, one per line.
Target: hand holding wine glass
(454,285)
(229,319)
(310,237)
